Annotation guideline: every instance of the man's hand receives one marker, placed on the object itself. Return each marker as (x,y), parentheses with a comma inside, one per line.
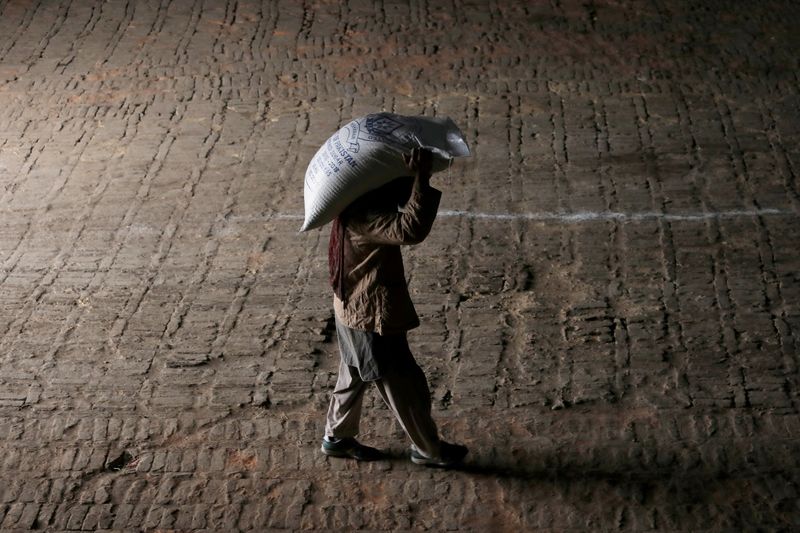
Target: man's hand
(420,161)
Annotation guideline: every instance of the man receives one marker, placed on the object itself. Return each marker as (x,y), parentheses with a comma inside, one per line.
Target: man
(374,311)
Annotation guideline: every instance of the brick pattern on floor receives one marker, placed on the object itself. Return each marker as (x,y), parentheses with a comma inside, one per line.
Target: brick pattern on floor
(610,314)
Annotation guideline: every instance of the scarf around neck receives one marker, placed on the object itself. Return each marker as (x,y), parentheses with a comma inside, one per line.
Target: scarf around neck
(336,259)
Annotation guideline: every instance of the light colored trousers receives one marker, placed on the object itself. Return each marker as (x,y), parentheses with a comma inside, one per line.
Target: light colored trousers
(402,385)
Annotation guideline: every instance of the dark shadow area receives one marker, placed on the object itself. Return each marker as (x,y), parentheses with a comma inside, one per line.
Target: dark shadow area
(717,462)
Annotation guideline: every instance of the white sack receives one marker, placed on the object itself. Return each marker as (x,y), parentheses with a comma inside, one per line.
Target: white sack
(367,153)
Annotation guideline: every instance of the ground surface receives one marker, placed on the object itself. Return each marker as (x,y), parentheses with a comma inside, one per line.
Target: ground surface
(610,297)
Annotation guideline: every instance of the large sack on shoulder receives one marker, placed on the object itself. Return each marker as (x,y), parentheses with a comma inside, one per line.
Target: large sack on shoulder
(367,153)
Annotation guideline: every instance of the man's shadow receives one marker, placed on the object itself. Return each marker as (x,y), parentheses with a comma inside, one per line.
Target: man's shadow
(682,465)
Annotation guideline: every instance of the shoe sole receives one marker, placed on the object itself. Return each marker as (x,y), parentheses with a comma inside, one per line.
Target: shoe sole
(348,455)
(423,461)
(334,453)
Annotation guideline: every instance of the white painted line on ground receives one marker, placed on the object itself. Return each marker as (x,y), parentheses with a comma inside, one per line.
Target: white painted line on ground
(577,217)
(587,216)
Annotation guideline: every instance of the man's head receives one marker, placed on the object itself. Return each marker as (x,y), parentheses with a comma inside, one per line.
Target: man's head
(397,191)
(386,197)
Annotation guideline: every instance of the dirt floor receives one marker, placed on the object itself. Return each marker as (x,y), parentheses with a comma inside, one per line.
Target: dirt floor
(609,297)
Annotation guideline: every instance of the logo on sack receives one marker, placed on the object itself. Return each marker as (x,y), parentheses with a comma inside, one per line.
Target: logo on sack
(382,124)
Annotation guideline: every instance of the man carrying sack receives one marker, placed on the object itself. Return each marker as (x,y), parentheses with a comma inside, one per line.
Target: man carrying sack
(373,312)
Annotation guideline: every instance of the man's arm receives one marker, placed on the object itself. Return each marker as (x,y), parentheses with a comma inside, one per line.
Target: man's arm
(413,223)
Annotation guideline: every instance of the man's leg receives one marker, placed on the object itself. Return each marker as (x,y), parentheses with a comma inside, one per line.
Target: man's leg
(404,388)
(344,412)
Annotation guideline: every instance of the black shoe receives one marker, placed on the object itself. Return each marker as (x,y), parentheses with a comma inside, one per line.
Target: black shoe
(350,448)
(449,455)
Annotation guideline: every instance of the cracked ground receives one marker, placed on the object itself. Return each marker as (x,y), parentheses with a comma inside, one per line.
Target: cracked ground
(609,296)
